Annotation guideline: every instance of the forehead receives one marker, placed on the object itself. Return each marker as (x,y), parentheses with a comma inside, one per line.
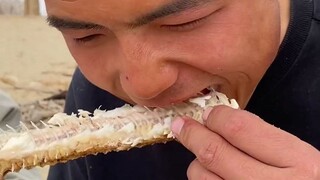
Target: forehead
(92,10)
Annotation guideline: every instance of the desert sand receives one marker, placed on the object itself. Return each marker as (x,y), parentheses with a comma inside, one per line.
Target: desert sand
(34,60)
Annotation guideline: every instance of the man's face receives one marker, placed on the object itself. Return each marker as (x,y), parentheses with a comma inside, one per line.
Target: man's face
(159,52)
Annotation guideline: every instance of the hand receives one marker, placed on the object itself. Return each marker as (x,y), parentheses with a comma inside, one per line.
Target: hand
(235,144)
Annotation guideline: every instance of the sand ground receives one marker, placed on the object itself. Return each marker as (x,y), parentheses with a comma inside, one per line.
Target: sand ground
(34,60)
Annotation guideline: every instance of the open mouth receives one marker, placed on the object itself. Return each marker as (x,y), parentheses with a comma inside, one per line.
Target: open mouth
(202,93)
(205,91)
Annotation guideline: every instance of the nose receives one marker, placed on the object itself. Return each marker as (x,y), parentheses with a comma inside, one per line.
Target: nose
(145,70)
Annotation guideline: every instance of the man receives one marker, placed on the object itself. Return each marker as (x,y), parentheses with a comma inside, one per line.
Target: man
(263,53)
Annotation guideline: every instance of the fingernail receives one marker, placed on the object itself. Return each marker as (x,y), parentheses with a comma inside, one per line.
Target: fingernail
(177,125)
(206,113)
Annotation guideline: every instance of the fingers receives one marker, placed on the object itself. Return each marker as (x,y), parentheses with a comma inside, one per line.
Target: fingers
(254,136)
(217,155)
(197,172)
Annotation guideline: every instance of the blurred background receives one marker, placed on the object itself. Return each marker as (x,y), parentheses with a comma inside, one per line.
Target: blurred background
(35,65)
(22,7)
(34,60)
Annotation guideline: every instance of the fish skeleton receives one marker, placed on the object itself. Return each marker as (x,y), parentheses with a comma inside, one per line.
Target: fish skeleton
(68,137)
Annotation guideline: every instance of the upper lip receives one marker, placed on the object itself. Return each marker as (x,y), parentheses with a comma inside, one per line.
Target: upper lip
(166,100)
(198,94)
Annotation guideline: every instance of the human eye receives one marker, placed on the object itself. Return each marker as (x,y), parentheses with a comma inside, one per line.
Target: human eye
(186,26)
(87,39)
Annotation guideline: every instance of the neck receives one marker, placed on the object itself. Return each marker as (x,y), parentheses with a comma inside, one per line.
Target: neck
(284,17)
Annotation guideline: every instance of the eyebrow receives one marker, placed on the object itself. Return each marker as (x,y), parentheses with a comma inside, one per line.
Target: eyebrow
(61,23)
(168,9)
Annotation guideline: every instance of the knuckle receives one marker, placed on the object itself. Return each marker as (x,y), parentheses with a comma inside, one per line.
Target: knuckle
(219,111)
(211,153)
(236,123)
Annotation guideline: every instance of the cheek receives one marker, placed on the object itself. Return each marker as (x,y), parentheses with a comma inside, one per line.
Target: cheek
(235,40)
(86,61)
(95,64)
(215,48)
